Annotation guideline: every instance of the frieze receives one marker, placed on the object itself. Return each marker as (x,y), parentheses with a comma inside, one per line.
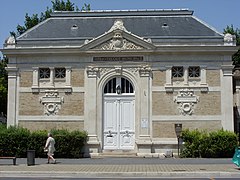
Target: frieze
(113,59)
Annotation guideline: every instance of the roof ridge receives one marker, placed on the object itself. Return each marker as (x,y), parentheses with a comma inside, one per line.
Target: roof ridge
(132,12)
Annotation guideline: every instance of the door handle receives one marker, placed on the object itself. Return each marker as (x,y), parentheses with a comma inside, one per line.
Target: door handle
(109,134)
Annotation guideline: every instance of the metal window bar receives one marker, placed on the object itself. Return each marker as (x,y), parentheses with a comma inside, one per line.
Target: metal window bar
(177,71)
(194,71)
(44,73)
(126,86)
(60,73)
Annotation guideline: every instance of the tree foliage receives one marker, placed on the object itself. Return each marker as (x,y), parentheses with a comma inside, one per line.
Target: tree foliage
(3,86)
(57,5)
(236,32)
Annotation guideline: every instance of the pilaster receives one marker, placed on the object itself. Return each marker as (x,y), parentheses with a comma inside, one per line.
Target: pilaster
(144,140)
(90,122)
(227,98)
(12,96)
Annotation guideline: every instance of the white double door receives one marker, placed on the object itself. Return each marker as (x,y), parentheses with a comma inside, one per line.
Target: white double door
(119,117)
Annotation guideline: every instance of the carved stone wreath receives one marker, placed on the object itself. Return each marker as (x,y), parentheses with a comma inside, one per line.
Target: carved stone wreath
(186,100)
(52,102)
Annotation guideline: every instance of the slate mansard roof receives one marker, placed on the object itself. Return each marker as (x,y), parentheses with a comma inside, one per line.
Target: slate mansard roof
(153,24)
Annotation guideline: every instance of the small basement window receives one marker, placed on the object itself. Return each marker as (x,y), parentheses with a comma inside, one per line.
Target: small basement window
(44,73)
(60,73)
(177,71)
(194,71)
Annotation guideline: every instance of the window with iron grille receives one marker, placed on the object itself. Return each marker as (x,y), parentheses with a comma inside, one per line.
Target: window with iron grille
(177,71)
(115,83)
(44,73)
(60,73)
(194,71)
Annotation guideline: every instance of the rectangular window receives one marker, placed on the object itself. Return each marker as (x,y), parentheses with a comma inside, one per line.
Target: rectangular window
(194,71)
(60,73)
(44,73)
(177,71)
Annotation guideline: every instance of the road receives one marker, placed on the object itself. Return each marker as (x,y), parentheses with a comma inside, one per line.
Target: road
(49,178)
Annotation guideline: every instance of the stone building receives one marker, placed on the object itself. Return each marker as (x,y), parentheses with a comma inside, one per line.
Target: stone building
(126,77)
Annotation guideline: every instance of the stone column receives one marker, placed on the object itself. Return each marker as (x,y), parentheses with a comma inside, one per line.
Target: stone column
(12,96)
(90,120)
(144,140)
(227,98)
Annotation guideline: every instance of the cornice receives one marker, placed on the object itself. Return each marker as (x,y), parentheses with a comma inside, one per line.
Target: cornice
(223,50)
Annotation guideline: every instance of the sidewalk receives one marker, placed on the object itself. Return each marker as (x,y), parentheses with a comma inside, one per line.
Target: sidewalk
(121,167)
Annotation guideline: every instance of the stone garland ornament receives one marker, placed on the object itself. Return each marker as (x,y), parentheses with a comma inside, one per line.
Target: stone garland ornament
(52,102)
(186,100)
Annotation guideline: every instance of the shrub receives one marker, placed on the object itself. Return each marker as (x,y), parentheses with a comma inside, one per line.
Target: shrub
(15,141)
(217,144)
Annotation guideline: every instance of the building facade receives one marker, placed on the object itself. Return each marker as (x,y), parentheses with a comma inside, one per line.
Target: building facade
(125,77)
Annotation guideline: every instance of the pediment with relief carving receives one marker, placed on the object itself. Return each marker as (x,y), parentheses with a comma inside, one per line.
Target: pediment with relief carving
(118,39)
(118,44)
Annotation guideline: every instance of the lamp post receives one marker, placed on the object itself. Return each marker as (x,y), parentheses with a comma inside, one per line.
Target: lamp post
(178,130)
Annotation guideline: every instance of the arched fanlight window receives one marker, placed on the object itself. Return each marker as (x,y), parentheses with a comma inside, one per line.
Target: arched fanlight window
(118,86)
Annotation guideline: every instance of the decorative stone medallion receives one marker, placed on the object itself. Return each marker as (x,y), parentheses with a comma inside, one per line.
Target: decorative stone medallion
(186,100)
(52,102)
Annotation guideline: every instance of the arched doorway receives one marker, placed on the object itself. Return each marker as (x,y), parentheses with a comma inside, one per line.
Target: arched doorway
(118,115)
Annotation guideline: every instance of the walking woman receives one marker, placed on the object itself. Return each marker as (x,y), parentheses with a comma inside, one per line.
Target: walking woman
(49,147)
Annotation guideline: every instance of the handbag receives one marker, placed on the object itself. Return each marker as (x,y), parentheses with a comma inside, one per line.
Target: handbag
(236,157)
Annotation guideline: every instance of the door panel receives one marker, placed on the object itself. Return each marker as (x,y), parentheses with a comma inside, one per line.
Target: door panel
(110,125)
(127,124)
(119,117)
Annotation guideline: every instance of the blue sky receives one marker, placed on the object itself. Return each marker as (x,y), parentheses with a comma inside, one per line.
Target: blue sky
(217,13)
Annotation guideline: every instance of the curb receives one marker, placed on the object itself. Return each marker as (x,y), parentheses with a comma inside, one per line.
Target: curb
(69,174)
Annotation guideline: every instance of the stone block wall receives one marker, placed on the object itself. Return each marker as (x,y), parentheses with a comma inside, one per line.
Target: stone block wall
(48,125)
(163,103)
(209,104)
(77,79)
(26,78)
(165,129)
(159,78)
(29,104)
(213,78)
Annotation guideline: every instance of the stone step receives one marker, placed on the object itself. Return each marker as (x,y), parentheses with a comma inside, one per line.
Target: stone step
(117,153)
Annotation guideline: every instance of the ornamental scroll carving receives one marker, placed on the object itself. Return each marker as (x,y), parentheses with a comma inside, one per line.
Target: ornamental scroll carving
(186,100)
(92,72)
(52,102)
(145,71)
